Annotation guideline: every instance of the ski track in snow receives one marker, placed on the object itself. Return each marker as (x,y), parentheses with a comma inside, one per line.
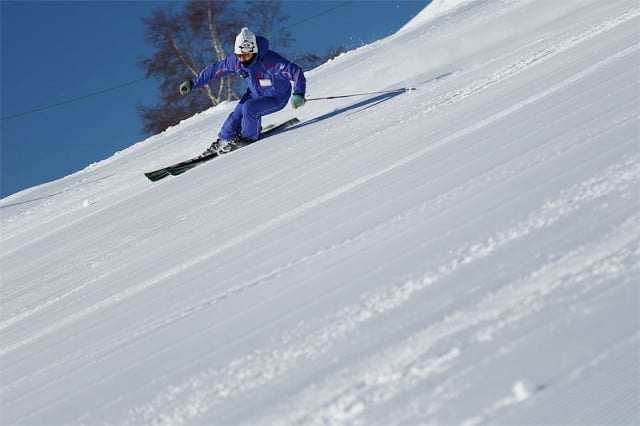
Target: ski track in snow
(183,403)
(345,395)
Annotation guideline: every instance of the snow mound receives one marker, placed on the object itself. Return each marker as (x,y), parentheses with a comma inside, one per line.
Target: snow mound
(434,10)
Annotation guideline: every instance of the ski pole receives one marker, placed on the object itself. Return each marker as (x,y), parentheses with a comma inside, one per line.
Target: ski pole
(404,89)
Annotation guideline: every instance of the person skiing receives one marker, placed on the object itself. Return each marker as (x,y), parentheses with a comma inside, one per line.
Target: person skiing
(269,77)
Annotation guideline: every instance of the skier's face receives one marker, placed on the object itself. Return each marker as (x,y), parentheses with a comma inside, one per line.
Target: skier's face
(244,57)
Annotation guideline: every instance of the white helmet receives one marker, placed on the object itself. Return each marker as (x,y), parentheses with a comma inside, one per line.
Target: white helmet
(245,42)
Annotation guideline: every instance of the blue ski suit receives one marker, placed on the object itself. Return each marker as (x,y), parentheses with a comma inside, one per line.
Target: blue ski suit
(269,78)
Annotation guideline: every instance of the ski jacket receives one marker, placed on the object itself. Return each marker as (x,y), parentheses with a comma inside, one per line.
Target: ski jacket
(269,74)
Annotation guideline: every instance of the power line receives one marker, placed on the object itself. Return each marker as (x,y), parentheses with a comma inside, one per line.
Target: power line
(344,3)
(73,99)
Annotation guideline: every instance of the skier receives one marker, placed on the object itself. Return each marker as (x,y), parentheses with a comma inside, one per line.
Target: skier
(269,78)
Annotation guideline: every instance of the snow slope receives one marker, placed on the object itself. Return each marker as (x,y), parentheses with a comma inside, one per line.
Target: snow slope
(466,253)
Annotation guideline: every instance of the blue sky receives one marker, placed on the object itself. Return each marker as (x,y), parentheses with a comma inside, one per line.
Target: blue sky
(66,52)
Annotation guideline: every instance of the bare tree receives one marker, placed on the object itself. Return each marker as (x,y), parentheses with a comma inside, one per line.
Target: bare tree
(309,60)
(186,41)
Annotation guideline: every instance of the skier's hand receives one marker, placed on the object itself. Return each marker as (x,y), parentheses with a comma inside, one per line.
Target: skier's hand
(297,100)
(186,87)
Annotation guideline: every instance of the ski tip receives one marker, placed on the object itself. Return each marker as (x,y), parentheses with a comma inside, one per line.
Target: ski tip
(156,175)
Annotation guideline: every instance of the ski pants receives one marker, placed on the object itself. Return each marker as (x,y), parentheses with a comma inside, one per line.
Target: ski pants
(246,118)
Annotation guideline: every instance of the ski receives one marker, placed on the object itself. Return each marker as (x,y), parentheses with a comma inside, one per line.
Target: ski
(183,166)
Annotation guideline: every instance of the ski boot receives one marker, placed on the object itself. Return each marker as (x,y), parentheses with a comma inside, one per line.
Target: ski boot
(218,147)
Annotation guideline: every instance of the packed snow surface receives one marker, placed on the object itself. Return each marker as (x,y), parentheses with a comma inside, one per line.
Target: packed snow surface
(465,253)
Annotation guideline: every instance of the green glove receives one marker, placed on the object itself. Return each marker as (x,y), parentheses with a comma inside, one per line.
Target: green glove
(186,87)
(297,100)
